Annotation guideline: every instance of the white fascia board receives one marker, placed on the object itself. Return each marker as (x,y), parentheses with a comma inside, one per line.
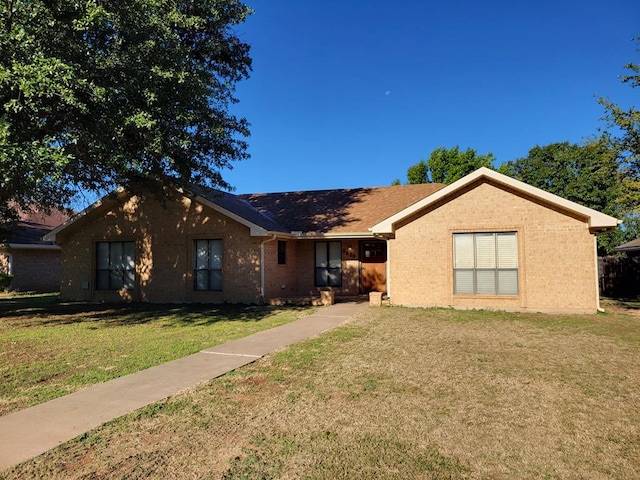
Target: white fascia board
(255,230)
(337,236)
(597,220)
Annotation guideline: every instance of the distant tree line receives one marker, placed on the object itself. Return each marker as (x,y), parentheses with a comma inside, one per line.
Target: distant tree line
(602,172)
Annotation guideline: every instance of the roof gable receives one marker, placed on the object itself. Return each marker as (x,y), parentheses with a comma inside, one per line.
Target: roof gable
(597,221)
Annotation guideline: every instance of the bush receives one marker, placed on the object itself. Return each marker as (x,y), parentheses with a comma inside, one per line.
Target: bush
(5,281)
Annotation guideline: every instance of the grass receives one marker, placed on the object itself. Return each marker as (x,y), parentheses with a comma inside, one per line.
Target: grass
(395,393)
(49,349)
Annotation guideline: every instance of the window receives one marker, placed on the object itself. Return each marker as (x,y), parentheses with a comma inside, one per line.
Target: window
(282,252)
(485,263)
(328,264)
(115,265)
(207,274)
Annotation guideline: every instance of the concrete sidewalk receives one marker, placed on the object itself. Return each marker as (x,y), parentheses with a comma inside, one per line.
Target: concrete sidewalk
(30,432)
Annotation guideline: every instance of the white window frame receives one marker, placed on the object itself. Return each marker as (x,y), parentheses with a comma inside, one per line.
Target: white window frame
(486,263)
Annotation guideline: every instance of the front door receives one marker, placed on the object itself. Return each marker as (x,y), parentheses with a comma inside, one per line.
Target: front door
(373,266)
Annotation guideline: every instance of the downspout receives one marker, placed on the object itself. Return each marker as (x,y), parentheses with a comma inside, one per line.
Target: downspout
(595,254)
(388,268)
(262,244)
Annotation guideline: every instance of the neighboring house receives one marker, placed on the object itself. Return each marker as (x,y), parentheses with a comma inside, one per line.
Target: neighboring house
(631,248)
(34,263)
(485,241)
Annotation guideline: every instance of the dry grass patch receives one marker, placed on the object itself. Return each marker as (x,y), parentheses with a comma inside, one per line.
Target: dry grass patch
(396,393)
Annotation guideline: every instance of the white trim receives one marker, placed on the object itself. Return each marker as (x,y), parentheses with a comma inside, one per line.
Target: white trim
(32,246)
(596,220)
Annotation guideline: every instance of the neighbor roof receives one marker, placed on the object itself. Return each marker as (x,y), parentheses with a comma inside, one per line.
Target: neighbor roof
(597,221)
(632,246)
(31,226)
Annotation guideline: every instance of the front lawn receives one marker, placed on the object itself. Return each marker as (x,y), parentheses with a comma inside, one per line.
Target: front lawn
(394,394)
(49,349)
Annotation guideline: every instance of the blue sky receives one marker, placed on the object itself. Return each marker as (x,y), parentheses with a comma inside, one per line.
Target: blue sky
(350,93)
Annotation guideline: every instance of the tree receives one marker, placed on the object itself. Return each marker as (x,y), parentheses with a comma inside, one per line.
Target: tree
(587,174)
(95,94)
(626,121)
(626,136)
(447,166)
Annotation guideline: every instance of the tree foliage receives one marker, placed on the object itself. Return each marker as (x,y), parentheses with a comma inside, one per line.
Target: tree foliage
(95,94)
(448,165)
(626,121)
(587,174)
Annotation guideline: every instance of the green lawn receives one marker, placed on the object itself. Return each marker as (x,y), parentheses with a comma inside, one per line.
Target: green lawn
(49,349)
(395,393)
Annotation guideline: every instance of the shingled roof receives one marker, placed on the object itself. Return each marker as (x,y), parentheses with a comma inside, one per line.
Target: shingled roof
(31,226)
(320,212)
(340,211)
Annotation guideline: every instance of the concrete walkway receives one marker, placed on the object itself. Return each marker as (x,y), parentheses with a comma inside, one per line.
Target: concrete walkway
(30,432)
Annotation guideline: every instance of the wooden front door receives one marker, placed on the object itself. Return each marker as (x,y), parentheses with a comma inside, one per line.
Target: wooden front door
(373,266)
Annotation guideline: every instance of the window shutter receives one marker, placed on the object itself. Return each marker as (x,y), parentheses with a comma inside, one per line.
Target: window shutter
(463,250)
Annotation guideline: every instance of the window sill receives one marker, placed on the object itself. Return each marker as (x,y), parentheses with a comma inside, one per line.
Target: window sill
(470,295)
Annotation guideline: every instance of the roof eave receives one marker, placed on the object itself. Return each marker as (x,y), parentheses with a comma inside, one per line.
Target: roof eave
(254,229)
(30,246)
(597,221)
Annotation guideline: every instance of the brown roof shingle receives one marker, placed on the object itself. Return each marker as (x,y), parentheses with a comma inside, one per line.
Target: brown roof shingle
(337,211)
(31,226)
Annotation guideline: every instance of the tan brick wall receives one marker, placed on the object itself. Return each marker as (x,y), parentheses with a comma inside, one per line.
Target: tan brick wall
(556,254)
(280,280)
(34,270)
(164,239)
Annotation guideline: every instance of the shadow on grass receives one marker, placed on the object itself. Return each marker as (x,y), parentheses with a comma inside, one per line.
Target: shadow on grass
(45,309)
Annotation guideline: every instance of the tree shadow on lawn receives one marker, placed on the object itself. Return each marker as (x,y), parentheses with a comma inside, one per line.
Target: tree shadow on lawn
(44,310)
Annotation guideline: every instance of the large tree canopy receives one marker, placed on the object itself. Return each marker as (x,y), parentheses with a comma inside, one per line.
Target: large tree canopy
(447,165)
(94,94)
(587,174)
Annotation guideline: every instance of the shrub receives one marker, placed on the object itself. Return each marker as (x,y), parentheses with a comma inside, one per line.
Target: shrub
(5,281)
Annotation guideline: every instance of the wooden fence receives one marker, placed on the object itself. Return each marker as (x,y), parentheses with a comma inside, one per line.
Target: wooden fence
(619,276)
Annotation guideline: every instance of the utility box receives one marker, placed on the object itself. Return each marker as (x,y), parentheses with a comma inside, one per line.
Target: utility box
(327,296)
(375,299)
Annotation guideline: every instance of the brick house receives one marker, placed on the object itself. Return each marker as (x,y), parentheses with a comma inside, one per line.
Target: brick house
(485,241)
(34,263)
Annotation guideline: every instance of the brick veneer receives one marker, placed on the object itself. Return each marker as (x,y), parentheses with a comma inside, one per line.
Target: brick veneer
(556,253)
